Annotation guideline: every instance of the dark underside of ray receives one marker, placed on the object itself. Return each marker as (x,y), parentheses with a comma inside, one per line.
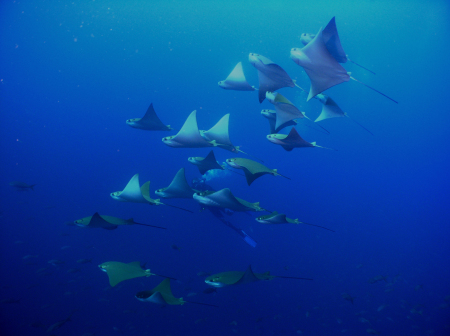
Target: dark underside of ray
(98,222)
(252,177)
(150,118)
(209,163)
(272,78)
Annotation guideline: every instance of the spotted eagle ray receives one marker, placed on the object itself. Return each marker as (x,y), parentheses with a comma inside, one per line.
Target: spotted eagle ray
(278,218)
(225,199)
(322,68)
(162,295)
(235,278)
(207,163)
(188,136)
(291,141)
(118,271)
(149,122)
(236,80)
(252,169)
(107,222)
(134,193)
(271,76)
(178,188)
(332,110)
(285,111)
(333,43)
(219,134)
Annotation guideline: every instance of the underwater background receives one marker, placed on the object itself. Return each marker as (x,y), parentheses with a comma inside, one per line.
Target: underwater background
(73,72)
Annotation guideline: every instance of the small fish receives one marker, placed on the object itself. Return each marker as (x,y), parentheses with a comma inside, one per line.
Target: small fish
(84,261)
(363,320)
(210,290)
(380,308)
(418,287)
(73,270)
(347,297)
(37,324)
(233,323)
(203,274)
(372,331)
(377,278)
(200,320)
(129,311)
(22,186)
(29,256)
(175,247)
(56,262)
(359,266)
(191,294)
(65,247)
(58,325)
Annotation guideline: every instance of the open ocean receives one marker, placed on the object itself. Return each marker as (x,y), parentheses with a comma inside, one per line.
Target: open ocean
(73,72)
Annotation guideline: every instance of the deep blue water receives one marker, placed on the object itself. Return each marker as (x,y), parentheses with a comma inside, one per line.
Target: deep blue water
(73,72)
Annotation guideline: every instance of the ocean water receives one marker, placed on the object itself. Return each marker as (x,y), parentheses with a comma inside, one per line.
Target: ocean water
(72,73)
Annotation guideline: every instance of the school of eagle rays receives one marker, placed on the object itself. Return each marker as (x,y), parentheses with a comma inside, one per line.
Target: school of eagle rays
(320,57)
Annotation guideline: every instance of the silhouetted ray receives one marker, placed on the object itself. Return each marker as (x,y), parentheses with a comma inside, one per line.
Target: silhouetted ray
(149,122)
(277,218)
(291,141)
(205,164)
(252,169)
(236,278)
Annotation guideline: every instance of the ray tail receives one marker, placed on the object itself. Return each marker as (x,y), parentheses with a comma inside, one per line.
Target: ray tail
(358,124)
(316,124)
(231,170)
(284,176)
(300,87)
(203,304)
(381,93)
(317,226)
(326,148)
(174,206)
(158,227)
(361,66)
(287,277)
(250,155)
(163,276)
